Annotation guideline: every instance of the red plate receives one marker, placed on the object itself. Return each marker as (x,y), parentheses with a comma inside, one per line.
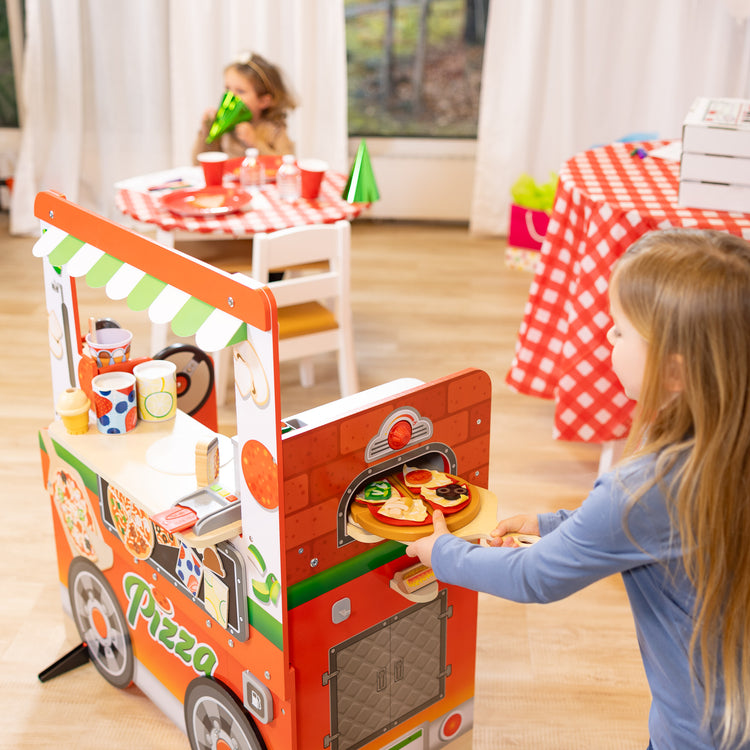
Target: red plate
(270,162)
(207,201)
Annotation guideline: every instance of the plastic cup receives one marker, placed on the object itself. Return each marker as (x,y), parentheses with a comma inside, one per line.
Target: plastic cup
(111,347)
(156,383)
(114,402)
(312,171)
(213,163)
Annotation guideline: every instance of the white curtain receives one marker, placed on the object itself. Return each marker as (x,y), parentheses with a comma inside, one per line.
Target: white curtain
(561,76)
(115,89)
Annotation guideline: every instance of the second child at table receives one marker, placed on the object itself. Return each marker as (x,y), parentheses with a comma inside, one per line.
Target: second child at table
(262,88)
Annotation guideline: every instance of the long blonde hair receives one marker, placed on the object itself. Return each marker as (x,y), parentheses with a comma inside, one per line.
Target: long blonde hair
(687,293)
(266,78)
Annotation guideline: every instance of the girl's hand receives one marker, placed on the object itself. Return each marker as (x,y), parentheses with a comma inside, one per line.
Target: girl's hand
(245,132)
(422,548)
(521,524)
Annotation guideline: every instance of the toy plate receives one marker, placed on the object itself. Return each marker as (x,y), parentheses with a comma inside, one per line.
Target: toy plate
(207,201)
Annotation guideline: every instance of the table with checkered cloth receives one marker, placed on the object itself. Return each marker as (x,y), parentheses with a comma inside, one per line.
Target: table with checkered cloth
(267,213)
(606,199)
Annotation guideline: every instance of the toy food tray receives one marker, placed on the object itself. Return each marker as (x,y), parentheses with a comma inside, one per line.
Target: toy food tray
(213,510)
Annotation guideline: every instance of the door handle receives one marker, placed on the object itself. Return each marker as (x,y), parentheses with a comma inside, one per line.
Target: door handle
(398,670)
(382,678)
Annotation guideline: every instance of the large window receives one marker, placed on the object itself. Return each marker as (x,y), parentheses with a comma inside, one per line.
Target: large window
(414,67)
(8,101)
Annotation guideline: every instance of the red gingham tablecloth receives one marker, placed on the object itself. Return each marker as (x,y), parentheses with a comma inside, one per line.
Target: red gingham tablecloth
(606,199)
(268,212)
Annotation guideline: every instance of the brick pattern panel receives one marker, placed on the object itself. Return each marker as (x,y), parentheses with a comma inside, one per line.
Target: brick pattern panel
(319,464)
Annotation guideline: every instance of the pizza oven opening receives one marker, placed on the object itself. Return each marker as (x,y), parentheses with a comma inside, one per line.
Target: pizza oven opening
(434,456)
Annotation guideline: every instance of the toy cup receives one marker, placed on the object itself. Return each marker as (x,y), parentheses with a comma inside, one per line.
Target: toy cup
(213,163)
(156,383)
(115,402)
(73,406)
(312,171)
(111,347)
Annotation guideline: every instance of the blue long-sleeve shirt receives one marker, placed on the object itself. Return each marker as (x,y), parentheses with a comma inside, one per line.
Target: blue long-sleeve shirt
(582,546)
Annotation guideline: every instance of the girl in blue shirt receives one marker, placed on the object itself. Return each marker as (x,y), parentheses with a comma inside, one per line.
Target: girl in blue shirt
(674,517)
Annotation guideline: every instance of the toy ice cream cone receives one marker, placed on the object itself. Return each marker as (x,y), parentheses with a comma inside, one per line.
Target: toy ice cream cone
(361,186)
(232,111)
(73,406)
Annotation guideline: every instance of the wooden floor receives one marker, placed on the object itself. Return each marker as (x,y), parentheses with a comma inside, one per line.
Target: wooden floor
(427,301)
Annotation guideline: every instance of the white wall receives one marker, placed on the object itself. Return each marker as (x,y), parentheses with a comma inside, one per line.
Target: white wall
(421,179)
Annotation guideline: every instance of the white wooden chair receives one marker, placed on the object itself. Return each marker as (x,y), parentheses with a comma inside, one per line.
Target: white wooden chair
(314,309)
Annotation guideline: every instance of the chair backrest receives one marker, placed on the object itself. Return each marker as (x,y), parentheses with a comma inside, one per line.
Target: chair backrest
(315,259)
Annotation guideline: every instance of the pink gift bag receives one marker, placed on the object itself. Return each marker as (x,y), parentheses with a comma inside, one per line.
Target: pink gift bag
(527,227)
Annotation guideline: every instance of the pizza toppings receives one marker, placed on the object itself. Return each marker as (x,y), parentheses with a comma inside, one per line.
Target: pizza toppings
(377,492)
(447,495)
(404,509)
(415,477)
(406,496)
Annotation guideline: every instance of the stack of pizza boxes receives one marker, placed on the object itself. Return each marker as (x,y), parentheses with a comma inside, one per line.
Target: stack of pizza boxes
(715,162)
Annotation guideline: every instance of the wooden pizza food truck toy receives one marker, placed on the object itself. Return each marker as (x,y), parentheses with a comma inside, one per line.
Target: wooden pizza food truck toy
(268,605)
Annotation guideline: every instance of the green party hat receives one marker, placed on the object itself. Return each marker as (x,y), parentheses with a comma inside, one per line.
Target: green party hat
(361,186)
(231,112)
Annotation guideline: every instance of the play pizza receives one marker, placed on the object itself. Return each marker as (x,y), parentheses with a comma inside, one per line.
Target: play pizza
(408,496)
(133,526)
(75,512)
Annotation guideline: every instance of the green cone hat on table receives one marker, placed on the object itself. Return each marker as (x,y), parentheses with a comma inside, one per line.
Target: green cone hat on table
(361,186)
(231,112)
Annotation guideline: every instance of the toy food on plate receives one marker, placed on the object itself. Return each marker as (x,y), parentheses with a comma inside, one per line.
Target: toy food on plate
(403,508)
(447,495)
(377,492)
(210,201)
(415,476)
(437,487)
(407,496)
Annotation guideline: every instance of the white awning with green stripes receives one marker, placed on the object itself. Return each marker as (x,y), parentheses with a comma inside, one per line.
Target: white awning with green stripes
(189,316)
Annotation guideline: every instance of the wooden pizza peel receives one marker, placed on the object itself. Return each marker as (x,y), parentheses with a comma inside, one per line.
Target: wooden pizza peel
(473,522)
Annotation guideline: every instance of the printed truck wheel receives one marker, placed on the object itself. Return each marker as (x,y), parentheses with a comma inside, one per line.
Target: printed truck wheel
(215,719)
(101,622)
